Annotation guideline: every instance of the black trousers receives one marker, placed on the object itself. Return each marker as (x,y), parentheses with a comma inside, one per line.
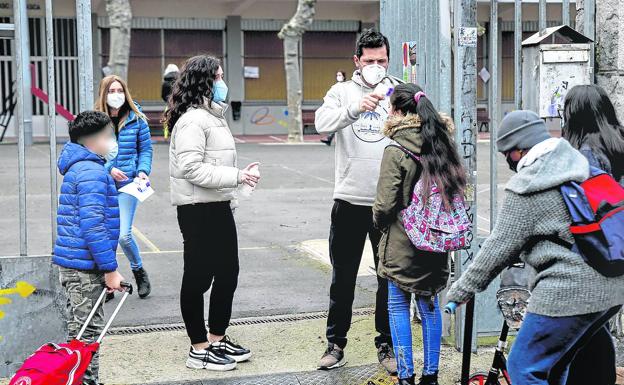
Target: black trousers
(349,226)
(595,362)
(210,259)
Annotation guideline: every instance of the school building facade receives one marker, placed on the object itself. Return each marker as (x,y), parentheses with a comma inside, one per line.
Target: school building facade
(243,33)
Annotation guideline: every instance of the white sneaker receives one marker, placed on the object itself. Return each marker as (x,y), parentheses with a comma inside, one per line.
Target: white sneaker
(210,359)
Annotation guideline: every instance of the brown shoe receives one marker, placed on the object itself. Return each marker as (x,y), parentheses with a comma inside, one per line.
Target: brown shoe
(385,354)
(332,358)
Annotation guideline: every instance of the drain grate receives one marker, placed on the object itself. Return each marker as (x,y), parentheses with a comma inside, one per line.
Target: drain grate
(358,375)
(130,330)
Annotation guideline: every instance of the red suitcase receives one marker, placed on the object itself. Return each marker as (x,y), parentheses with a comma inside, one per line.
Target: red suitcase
(65,364)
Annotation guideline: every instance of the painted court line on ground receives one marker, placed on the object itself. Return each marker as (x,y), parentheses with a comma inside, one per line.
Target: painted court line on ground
(307,175)
(150,245)
(154,252)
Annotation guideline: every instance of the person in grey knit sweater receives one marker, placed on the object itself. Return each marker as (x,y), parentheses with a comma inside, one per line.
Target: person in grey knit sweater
(570,301)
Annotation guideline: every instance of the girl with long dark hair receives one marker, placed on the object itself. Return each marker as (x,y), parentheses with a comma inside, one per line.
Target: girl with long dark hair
(417,127)
(204,178)
(592,127)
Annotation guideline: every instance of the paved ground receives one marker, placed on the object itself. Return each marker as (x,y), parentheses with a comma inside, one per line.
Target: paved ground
(291,205)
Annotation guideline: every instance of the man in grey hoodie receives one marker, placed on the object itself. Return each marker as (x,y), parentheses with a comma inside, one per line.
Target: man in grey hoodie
(571,303)
(356,111)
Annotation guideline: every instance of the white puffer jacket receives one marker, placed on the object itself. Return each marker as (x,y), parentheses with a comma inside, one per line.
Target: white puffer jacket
(202,157)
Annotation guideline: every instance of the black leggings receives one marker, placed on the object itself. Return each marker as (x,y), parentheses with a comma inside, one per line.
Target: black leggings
(210,259)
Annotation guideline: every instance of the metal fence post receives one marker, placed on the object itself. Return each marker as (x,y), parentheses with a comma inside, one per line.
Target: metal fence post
(589,30)
(494,110)
(518,54)
(445,57)
(21,62)
(465,101)
(51,114)
(542,16)
(565,12)
(85,56)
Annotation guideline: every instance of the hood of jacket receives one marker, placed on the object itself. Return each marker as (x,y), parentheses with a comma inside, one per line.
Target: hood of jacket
(561,165)
(73,153)
(405,130)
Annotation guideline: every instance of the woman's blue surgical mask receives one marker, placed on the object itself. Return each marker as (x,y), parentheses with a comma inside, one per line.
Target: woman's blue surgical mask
(220,91)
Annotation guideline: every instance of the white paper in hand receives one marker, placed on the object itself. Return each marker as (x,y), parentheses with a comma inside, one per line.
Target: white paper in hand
(139,188)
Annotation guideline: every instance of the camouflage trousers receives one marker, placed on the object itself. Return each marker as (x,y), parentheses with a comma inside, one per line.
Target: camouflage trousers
(82,289)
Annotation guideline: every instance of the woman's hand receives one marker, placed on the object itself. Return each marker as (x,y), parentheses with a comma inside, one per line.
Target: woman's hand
(143,176)
(118,175)
(248,177)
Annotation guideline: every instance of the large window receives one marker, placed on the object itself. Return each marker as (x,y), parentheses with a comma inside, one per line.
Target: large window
(325,53)
(266,51)
(152,49)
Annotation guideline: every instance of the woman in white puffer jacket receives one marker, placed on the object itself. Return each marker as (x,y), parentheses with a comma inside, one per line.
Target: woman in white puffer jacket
(204,178)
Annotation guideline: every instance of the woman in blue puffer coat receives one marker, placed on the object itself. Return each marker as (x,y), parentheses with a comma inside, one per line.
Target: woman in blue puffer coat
(134,160)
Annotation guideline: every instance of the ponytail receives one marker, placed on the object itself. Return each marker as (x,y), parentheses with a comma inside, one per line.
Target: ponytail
(439,157)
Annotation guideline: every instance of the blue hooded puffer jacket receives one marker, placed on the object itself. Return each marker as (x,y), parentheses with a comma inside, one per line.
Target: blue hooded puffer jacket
(135,148)
(88,214)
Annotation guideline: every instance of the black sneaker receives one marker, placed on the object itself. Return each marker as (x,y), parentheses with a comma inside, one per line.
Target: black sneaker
(385,355)
(332,358)
(231,350)
(210,359)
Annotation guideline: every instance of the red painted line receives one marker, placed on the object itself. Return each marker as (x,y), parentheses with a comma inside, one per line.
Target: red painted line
(40,94)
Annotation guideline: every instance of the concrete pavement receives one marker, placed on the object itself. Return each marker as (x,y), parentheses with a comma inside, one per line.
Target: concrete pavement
(291,205)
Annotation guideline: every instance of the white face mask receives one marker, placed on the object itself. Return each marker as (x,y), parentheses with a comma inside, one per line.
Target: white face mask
(340,78)
(116,100)
(373,74)
(113,149)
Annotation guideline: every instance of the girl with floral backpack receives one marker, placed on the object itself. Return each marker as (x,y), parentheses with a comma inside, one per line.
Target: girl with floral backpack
(420,209)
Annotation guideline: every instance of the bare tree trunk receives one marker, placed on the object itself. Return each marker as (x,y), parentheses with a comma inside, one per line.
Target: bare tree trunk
(291,34)
(120,18)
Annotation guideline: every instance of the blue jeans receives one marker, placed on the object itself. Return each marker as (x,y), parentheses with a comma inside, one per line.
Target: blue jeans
(127,207)
(545,346)
(400,326)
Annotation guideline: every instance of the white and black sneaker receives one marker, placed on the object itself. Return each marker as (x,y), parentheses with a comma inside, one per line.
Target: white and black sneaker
(210,359)
(229,349)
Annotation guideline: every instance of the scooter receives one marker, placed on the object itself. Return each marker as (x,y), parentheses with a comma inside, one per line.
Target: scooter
(513,298)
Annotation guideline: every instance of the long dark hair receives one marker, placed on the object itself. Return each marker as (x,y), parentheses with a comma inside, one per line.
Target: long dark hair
(439,157)
(192,87)
(590,120)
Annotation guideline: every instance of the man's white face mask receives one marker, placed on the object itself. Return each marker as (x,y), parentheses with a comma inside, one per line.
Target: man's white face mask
(373,74)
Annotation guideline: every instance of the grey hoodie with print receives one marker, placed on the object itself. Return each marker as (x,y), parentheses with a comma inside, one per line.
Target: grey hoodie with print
(360,142)
(532,215)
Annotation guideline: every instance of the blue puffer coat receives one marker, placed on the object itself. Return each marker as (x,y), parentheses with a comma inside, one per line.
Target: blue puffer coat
(135,148)
(88,214)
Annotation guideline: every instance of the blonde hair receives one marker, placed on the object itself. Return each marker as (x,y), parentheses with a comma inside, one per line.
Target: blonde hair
(101,105)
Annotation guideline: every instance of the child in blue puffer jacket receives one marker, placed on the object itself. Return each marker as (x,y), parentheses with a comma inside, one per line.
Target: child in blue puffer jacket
(87,225)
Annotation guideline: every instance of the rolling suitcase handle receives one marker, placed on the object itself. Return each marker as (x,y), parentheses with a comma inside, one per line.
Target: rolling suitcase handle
(127,292)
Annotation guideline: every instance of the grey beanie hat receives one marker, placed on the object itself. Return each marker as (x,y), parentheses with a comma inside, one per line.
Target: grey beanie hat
(521,129)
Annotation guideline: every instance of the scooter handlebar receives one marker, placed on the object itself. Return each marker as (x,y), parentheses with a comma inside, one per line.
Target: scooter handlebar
(450,307)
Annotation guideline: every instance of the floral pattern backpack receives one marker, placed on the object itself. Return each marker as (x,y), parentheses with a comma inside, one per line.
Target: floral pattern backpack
(430,225)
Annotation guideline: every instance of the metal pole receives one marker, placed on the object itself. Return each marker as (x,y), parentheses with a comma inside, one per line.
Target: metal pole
(465,101)
(85,56)
(589,28)
(21,55)
(494,109)
(51,115)
(565,12)
(24,46)
(518,54)
(445,57)
(542,16)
